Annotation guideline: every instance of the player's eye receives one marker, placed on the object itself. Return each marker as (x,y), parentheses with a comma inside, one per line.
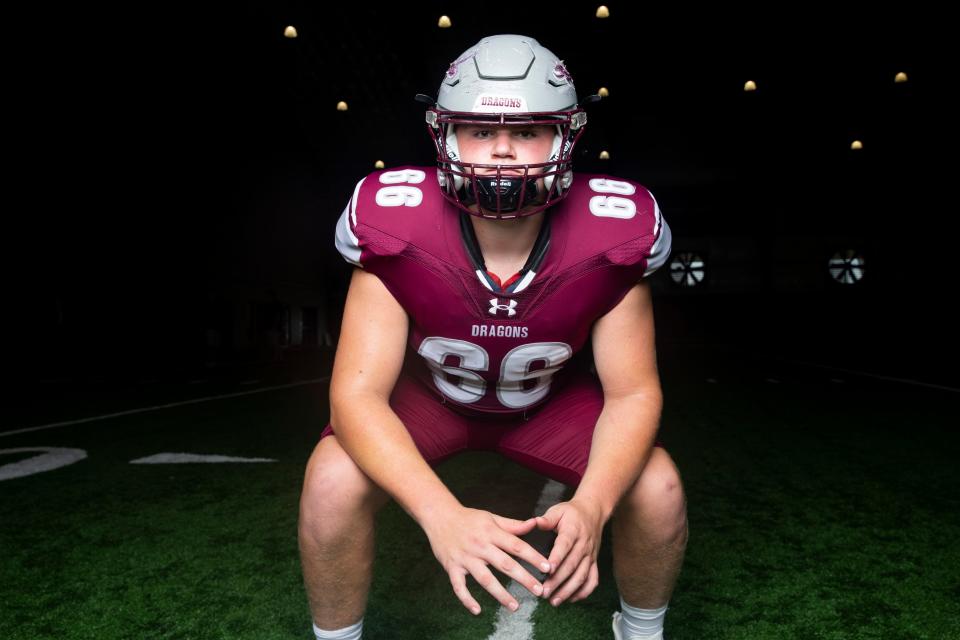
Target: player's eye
(525,134)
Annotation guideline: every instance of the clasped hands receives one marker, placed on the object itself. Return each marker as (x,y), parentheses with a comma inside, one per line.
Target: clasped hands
(471,541)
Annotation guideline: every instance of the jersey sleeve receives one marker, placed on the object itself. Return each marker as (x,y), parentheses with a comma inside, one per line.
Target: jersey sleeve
(347,241)
(662,243)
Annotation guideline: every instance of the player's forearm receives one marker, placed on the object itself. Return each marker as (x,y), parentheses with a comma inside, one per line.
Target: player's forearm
(377,441)
(622,442)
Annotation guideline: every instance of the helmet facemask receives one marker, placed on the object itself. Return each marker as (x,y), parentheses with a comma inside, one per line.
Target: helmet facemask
(499,191)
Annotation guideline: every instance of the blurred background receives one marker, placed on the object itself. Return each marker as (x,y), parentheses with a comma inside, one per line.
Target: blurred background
(174,175)
(177,172)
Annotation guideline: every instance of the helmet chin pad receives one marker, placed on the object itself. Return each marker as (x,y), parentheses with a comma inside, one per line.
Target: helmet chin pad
(509,188)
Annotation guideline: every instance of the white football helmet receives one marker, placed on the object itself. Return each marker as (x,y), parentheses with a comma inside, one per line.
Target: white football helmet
(506,80)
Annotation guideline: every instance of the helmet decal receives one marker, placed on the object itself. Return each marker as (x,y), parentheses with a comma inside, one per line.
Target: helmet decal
(561,72)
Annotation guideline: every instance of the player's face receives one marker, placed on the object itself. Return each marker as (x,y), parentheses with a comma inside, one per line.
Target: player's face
(505,145)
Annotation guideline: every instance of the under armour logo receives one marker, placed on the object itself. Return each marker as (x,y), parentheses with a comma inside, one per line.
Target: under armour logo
(496,306)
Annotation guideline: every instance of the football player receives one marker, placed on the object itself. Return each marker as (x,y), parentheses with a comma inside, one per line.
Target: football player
(477,282)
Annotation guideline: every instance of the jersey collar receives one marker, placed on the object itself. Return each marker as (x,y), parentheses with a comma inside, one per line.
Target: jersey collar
(530,268)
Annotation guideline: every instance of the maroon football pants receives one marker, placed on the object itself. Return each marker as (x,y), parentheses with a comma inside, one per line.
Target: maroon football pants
(554,440)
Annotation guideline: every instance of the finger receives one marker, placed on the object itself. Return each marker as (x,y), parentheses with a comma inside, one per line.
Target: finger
(548,521)
(488,581)
(510,567)
(593,579)
(573,585)
(561,548)
(521,549)
(563,571)
(459,581)
(516,527)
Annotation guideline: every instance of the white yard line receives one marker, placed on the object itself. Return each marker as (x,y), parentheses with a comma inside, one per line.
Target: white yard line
(47,459)
(191,458)
(517,625)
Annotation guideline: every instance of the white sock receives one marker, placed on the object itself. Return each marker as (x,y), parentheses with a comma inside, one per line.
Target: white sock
(641,623)
(347,633)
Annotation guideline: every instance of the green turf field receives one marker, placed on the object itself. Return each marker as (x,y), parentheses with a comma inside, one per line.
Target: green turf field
(821,505)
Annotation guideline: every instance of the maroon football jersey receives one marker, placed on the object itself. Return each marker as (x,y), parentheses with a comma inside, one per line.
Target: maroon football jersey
(485,350)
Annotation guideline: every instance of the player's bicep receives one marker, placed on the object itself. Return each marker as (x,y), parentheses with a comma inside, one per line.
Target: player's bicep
(372,342)
(623,346)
